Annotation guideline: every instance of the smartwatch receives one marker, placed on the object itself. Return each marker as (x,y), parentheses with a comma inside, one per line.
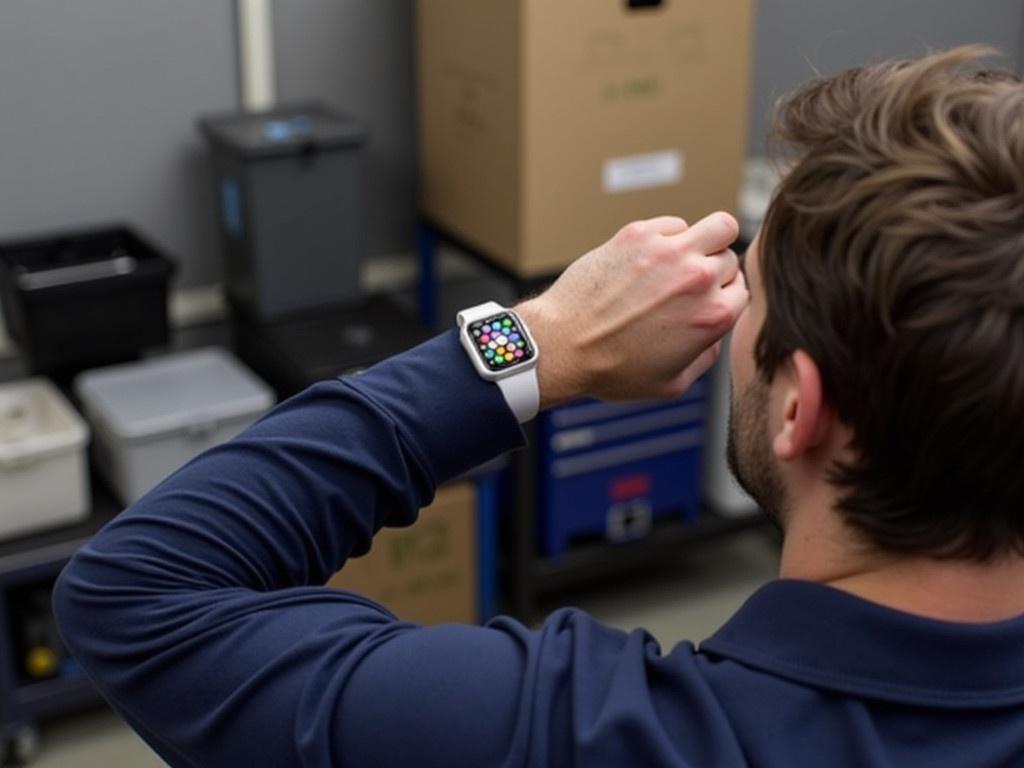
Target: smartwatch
(502,350)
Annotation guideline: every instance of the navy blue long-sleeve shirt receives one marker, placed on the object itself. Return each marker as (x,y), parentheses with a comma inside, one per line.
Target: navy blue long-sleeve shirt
(198,615)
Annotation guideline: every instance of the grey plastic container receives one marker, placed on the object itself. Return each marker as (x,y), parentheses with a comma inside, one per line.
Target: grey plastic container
(150,418)
(288,185)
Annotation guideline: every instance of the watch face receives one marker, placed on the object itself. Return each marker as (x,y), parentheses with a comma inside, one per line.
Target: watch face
(500,342)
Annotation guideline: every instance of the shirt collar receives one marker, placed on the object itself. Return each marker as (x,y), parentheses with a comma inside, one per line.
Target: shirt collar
(823,637)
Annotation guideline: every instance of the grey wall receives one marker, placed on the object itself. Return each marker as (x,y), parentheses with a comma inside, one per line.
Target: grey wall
(97,106)
(358,56)
(798,38)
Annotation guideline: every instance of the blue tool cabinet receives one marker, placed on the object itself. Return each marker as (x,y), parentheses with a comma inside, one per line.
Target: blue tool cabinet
(612,469)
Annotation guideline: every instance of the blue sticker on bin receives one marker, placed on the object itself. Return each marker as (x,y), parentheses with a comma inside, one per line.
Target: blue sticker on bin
(282,130)
(277,130)
(231,207)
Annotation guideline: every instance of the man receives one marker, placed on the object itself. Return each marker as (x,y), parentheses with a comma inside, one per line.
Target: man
(879,379)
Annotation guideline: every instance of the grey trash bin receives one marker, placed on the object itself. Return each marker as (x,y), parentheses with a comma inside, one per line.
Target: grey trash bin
(288,186)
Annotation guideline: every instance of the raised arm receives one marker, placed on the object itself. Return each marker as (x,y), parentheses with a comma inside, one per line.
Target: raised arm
(198,612)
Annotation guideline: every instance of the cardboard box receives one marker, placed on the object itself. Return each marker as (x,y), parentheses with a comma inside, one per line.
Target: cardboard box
(545,125)
(427,573)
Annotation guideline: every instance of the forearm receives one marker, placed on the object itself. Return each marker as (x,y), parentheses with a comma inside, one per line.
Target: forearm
(288,500)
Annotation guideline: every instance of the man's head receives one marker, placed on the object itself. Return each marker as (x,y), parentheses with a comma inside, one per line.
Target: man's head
(889,276)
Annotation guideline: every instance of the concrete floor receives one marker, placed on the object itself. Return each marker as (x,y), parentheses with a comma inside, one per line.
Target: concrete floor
(684,600)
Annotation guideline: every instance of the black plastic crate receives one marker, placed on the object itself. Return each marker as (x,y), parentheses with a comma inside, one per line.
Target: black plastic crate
(84,299)
(295,353)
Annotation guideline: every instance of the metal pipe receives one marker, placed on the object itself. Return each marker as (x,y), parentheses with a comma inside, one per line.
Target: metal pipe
(256,54)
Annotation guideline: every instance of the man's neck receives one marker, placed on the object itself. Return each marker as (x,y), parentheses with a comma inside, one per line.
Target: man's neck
(818,547)
(946,590)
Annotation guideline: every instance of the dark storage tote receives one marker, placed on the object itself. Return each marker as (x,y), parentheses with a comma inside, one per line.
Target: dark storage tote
(288,185)
(292,354)
(84,299)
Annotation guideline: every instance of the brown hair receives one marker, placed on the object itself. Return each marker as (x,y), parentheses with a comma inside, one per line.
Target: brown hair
(893,254)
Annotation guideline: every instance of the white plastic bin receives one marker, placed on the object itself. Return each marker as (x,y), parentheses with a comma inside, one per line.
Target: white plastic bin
(44,478)
(150,418)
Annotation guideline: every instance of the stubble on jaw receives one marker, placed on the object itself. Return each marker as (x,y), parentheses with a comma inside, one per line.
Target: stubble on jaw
(749,450)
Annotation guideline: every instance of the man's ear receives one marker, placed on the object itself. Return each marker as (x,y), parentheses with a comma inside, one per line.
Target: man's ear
(805,418)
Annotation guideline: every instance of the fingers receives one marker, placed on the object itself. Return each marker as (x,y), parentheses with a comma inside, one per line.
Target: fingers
(712,234)
(720,308)
(727,265)
(668,225)
(735,294)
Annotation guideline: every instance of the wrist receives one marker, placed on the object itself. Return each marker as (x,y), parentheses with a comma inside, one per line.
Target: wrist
(559,377)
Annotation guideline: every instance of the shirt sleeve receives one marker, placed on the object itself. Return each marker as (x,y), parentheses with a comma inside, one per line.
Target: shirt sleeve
(196,611)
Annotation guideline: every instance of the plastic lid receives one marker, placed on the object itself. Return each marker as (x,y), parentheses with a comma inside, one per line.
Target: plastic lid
(283,131)
(169,394)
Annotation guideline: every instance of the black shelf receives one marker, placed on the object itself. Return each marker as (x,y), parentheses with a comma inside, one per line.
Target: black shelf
(45,696)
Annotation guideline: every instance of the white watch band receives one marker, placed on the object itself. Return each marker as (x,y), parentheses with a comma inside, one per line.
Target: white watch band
(522,394)
(520,388)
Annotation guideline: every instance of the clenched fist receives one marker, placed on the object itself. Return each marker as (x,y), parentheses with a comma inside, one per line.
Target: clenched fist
(641,316)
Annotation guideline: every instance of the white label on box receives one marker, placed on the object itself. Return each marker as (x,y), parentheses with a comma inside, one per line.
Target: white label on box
(655,169)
